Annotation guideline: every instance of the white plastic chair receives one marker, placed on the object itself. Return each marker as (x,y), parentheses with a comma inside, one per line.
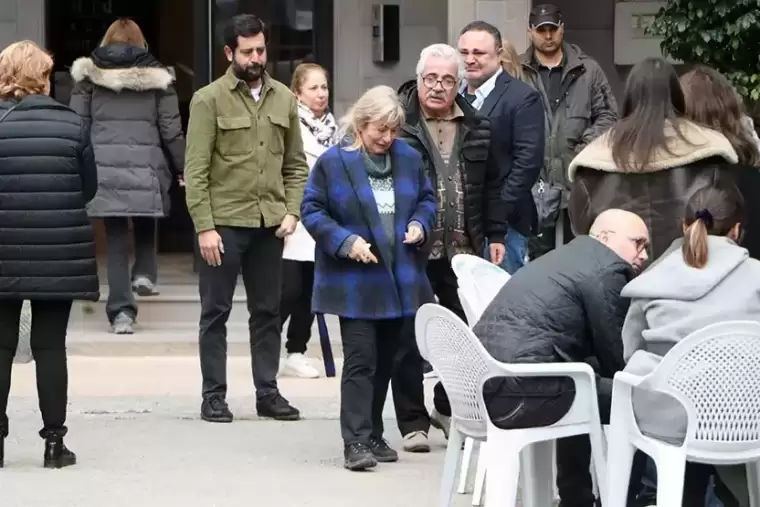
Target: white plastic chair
(479,282)
(715,374)
(464,366)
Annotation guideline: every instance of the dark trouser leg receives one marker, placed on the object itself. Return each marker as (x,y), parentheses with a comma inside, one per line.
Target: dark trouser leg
(10,316)
(297,285)
(120,296)
(441,400)
(146,260)
(407,379)
(357,380)
(216,286)
(262,275)
(50,321)
(445,286)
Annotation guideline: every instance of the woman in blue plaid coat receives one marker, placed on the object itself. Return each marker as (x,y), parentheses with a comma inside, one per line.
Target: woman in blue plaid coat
(369,207)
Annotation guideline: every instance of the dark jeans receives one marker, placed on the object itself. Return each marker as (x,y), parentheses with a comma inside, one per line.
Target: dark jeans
(120,296)
(258,253)
(50,320)
(297,286)
(372,350)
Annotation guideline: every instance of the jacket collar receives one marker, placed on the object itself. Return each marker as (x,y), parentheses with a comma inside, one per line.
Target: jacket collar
(118,79)
(500,86)
(702,143)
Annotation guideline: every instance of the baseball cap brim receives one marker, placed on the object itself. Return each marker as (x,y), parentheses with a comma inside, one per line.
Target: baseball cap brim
(547,22)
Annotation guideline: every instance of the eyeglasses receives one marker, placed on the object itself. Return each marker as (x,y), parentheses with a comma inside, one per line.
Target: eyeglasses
(431,80)
(640,243)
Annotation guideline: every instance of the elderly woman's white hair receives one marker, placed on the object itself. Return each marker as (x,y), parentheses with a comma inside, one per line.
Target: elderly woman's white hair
(444,51)
(378,104)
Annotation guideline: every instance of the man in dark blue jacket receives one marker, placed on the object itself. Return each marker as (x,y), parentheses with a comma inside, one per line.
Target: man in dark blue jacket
(517,119)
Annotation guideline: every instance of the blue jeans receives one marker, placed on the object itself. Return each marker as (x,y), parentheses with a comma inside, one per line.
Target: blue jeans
(516,250)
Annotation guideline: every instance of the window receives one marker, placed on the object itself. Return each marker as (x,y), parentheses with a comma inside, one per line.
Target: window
(296,30)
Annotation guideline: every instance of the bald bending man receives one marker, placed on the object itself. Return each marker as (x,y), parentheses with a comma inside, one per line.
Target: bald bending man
(563,307)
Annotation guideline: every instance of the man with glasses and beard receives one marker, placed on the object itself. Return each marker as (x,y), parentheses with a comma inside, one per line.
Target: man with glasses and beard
(245,174)
(454,142)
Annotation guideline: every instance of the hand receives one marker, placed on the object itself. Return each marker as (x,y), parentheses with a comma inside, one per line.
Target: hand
(413,234)
(212,248)
(181,180)
(360,252)
(496,250)
(287,227)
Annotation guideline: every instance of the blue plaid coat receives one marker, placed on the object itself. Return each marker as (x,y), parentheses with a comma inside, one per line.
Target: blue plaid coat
(339,202)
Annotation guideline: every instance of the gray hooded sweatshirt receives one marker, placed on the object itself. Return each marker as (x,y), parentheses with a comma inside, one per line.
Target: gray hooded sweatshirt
(669,301)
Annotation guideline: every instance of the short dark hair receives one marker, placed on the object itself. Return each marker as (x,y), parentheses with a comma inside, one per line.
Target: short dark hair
(242,25)
(483,26)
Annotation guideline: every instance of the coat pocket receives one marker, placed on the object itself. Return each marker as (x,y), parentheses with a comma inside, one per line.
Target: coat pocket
(234,135)
(279,128)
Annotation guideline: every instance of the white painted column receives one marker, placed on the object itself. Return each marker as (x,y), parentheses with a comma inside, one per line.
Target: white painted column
(509,16)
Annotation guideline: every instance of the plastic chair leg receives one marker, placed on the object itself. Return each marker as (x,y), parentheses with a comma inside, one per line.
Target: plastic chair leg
(502,456)
(598,459)
(450,465)
(753,483)
(537,473)
(671,468)
(464,471)
(621,453)
(324,341)
(480,479)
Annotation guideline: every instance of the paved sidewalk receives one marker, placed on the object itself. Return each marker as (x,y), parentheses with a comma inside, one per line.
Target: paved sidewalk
(135,427)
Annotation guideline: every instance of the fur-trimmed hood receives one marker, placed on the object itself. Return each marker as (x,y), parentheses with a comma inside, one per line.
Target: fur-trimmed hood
(122,67)
(703,143)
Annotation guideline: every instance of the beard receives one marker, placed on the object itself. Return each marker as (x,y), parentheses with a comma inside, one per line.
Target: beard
(249,73)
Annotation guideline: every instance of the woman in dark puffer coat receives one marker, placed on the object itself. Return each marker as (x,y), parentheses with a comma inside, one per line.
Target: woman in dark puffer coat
(47,244)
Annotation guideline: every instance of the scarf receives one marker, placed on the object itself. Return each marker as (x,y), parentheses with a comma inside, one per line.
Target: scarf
(323,129)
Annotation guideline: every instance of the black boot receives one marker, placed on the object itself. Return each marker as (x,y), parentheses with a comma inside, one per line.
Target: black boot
(57,455)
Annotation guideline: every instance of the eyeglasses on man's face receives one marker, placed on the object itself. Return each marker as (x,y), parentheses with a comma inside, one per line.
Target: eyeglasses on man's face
(446,82)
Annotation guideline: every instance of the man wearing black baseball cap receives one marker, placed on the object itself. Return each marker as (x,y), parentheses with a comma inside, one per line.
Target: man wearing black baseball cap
(579,106)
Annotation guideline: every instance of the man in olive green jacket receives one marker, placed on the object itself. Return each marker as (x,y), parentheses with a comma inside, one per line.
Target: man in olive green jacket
(245,174)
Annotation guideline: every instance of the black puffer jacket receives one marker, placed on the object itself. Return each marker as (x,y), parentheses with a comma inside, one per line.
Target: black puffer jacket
(563,307)
(485,210)
(47,176)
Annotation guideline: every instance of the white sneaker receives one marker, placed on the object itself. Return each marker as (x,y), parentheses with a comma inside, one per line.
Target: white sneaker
(298,365)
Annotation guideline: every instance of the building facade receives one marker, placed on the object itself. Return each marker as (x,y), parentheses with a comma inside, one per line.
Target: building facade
(187,36)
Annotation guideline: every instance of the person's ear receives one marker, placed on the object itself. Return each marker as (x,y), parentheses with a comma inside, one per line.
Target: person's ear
(736,233)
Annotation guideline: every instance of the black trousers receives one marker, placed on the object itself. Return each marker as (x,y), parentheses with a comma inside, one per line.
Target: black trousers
(257,252)
(50,321)
(120,296)
(445,285)
(297,286)
(372,352)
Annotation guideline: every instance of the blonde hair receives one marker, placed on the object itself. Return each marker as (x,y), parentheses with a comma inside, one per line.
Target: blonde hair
(378,104)
(510,60)
(24,70)
(124,31)
(301,73)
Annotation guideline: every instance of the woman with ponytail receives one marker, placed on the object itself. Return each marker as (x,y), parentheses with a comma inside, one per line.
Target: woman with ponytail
(703,278)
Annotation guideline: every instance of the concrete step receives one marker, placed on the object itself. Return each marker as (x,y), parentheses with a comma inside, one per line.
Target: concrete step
(167,325)
(177,307)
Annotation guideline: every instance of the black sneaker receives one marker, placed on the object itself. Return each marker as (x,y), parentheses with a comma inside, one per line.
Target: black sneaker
(216,410)
(278,408)
(382,451)
(358,457)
